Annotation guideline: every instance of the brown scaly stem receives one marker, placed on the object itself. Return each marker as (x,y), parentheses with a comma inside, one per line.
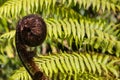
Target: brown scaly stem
(30,32)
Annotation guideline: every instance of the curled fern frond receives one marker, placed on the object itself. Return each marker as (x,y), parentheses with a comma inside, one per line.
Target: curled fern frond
(30,32)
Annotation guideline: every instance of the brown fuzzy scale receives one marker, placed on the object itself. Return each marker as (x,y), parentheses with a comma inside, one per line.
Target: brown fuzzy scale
(31,31)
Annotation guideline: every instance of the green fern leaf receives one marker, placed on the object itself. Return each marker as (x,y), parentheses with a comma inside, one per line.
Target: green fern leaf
(75,66)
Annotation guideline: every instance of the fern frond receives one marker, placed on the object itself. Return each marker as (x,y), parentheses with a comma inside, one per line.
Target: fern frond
(97,34)
(77,66)
(2,2)
(8,35)
(21,74)
(74,63)
(3,25)
(70,26)
(95,4)
(15,8)
(99,4)
(6,43)
(85,32)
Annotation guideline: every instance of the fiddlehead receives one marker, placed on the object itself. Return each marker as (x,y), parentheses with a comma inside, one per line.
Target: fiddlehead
(30,32)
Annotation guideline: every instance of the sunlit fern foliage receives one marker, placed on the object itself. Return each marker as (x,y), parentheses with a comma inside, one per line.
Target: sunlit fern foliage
(7,42)
(75,66)
(16,7)
(83,32)
(66,22)
(3,23)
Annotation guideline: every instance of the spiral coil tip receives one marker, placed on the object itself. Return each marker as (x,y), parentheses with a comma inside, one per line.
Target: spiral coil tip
(32,29)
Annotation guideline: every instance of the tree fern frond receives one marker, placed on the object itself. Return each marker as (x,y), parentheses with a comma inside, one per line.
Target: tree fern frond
(78,66)
(21,74)
(87,62)
(6,43)
(3,25)
(96,42)
(105,45)
(15,8)
(96,4)
(2,2)
(85,32)
(8,35)
(71,26)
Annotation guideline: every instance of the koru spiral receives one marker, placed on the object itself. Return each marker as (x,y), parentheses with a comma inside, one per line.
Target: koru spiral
(30,32)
